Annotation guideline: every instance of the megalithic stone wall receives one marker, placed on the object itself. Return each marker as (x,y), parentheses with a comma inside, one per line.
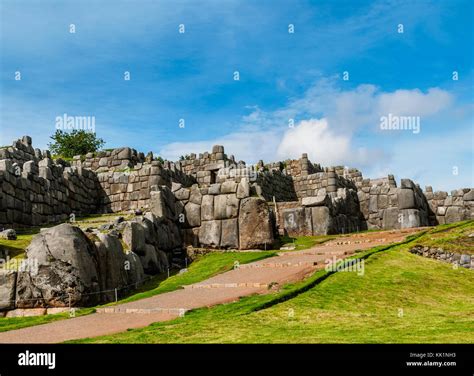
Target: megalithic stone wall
(35,190)
(224,215)
(449,208)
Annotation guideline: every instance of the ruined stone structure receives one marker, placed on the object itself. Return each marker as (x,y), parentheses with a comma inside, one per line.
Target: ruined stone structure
(208,201)
(36,190)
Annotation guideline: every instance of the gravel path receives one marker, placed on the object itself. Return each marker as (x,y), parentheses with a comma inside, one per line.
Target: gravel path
(255,278)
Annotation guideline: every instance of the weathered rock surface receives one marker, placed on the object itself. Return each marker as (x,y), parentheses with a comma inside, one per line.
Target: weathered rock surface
(322,220)
(67,264)
(230,234)
(210,233)
(255,224)
(7,289)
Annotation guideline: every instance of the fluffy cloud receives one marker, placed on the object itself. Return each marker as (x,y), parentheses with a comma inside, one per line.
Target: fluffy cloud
(315,137)
(413,102)
(329,124)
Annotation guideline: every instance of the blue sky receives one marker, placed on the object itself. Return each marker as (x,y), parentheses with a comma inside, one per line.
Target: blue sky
(282,76)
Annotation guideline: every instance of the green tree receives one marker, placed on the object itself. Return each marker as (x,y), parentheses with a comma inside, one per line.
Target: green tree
(76,142)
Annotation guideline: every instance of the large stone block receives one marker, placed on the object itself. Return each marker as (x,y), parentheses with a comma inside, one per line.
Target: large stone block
(322,220)
(196,195)
(453,214)
(255,224)
(407,184)
(162,203)
(193,214)
(391,219)
(243,189)
(469,196)
(210,233)
(182,194)
(59,260)
(207,208)
(134,237)
(373,204)
(406,199)
(112,264)
(321,200)
(7,289)
(226,206)
(230,234)
(229,186)
(409,218)
(297,221)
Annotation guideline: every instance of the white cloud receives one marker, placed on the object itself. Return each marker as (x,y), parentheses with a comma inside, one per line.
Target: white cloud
(329,125)
(414,102)
(314,137)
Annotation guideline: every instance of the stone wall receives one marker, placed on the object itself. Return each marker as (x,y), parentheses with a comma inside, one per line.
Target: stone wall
(385,206)
(445,208)
(224,215)
(35,190)
(457,259)
(206,166)
(326,213)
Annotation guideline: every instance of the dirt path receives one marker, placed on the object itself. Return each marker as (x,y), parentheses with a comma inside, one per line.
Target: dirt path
(255,278)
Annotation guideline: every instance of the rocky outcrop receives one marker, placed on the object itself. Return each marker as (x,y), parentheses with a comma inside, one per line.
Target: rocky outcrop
(457,259)
(67,267)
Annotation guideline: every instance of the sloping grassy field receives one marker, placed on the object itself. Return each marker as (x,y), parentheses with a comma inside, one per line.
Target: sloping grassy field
(400,298)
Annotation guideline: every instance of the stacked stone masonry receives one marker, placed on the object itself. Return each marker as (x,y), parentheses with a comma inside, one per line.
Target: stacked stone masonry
(36,190)
(208,201)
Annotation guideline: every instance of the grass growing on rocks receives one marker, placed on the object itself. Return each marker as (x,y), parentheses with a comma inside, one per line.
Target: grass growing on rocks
(458,239)
(204,267)
(400,298)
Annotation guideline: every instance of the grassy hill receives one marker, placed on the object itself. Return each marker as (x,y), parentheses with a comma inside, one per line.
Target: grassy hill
(400,298)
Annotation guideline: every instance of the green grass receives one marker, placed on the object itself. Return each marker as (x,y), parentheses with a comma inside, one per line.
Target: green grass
(204,267)
(401,298)
(16,248)
(303,242)
(453,238)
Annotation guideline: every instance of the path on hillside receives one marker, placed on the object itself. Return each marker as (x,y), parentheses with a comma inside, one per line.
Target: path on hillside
(254,278)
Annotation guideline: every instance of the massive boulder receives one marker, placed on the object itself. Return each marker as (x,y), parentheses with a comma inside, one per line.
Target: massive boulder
(112,265)
(255,224)
(134,237)
(226,206)
(193,214)
(297,221)
(230,234)
(406,199)
(63,269)
(210,233)
(134,269)
(322,220)
(7,289)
